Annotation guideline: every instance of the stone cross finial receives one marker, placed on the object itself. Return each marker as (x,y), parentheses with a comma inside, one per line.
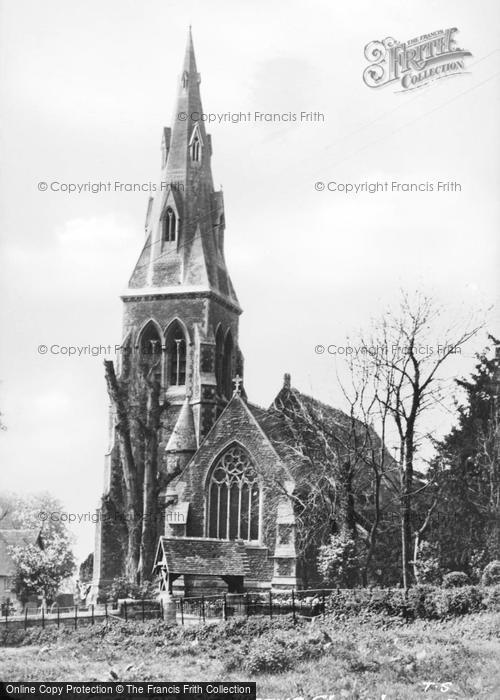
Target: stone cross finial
(237,381)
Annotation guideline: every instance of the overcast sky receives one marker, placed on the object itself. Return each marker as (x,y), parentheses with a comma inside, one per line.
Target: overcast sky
(86,89)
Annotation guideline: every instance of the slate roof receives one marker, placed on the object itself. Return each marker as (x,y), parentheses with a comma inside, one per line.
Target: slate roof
(280,420)
(202,556)
(14,538)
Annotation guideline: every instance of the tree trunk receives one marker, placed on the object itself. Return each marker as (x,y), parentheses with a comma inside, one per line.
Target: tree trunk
(132,502)
(150,488)
(372,538)
(406,530)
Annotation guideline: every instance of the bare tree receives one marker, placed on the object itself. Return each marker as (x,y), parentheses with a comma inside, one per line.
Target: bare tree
(405,368)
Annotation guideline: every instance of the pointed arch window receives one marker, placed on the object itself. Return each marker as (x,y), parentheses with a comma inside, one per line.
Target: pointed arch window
(196,149)
(150,348)
(169,225)
(176,355)
(234,497)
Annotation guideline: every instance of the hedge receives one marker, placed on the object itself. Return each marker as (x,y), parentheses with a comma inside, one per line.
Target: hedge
(424,601)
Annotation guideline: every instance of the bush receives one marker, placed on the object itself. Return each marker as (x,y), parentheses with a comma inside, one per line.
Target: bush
(339,561)
(491,598)
(423,601)
(455,579)
(275,651)
(491,573)
(267,656)
(121,587)
(460,601)
(428,565)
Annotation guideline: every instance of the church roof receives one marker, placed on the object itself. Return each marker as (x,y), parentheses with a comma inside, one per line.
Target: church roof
(14,538)
(294,421)
(202,556)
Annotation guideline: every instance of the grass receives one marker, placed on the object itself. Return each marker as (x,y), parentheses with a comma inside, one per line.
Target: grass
(343,658)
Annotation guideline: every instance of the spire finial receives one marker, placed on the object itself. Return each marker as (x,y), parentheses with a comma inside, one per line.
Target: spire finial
(287,381)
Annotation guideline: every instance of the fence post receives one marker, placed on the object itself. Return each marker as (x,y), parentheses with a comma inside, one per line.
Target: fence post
(43,618)
(26,617)
(162,611)
(58,617)
(203,608)
(224,608)
(182,611)
(76,616)
(6,614)
(92,609)
(270,604)
(106,611)
(142,608)
(323,605)
(125,610)
(293,607)
(246,603)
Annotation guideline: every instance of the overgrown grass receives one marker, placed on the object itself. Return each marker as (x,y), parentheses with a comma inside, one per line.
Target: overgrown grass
(347,658)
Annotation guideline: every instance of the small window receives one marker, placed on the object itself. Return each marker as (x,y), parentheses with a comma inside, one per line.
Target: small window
(150,349)
(196,149)
(176,355)
(169,225)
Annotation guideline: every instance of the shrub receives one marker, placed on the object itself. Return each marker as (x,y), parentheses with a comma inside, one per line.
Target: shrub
(491,573)
(491,598)
(121,587)
(428,566)
(423,601)
(268,656)
(339,561)
(275,651)
(455,579)
(460,601)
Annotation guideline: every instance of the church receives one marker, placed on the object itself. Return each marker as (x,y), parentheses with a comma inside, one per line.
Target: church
(229,520)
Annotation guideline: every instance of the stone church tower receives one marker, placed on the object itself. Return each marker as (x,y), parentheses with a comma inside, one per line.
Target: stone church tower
(180,305)
(180,309)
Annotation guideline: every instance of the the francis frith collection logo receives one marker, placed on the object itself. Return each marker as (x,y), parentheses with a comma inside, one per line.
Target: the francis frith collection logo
(416,62)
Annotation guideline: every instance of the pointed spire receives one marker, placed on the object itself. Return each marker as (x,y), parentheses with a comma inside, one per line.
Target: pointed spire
(187,118)
(189,251)
(183,436)
(189,58)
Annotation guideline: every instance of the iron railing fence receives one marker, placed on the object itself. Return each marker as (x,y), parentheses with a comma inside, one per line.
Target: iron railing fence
(304,603)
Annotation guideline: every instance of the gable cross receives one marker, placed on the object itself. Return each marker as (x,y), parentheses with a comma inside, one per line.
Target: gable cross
(237,381)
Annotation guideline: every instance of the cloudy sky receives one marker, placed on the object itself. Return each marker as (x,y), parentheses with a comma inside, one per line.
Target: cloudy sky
(86,88)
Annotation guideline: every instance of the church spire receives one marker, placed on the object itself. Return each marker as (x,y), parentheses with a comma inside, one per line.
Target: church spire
(184,248)
(188,125)
(189,58)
